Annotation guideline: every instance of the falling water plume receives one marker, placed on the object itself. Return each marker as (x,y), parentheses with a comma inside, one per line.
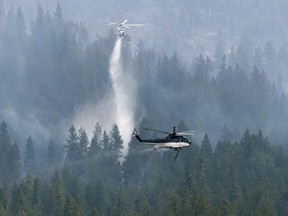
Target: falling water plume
(124,90)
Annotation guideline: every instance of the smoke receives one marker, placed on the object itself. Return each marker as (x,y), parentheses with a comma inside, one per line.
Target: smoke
(124,95)
(23,126)
(102,112)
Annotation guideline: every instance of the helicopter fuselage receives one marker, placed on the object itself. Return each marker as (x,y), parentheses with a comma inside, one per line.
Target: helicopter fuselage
(175,140)
(121,31)
(171,141)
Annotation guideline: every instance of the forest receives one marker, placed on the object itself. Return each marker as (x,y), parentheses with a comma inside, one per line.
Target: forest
(248,177)
(50,166)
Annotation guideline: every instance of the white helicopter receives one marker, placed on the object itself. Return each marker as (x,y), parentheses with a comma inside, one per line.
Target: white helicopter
(122,25)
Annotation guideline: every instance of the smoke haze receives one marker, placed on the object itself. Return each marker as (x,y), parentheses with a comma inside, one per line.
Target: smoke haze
(75,84)
(102,112)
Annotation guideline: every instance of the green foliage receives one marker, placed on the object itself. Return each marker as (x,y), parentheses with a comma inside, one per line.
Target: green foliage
(83,142)
(72,207)
(74,151)
(9,158)
(225,209)
(29,159)
(105,142)
(55,196)
(116,141)
(53,156)
(3,200)
(95,147)
(244,178)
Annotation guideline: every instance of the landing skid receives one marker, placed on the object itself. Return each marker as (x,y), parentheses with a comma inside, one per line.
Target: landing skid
(177,154)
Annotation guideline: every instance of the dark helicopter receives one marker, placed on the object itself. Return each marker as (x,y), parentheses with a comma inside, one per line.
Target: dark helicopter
(174,140)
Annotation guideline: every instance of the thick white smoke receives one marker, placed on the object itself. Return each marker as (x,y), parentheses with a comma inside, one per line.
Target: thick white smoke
(124,89)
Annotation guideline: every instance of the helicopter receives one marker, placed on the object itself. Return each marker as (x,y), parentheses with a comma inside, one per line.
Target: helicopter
(174,140)
(121,32)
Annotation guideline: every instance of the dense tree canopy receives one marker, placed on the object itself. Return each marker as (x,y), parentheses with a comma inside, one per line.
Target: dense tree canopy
(248,177)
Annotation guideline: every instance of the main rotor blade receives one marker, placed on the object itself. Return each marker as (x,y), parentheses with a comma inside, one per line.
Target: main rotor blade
(125,26)
(112,23)
(189,133)
(135,25)
(184,134)
(158,131)
(124,22)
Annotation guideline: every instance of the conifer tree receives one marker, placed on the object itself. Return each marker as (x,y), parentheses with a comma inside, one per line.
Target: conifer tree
(94,212)
(226,133)
(58,16)
(245,51)
(206,160)
(105,142)
(4,138)
(9,158)
(14,163)
(4,152)
(245,145)
(206,148)
(258,58)
(134,160)
(103,200)
(116,141)
(29,159)
(72,207)
(83,142)
(142,206)
(73,148)
(210,162)
(36,194)
(26,187)
(225,208)
(202,69)
(95,147)
(56,195)
(265,208)
(53,157)
(38,26)
(20,203)
(3,211)
(3,200)
(202,206)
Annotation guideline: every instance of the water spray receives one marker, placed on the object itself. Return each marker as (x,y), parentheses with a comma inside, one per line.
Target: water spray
(118,106)
(124,90)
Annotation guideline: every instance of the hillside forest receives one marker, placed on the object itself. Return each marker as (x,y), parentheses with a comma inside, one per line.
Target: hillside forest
(51,166)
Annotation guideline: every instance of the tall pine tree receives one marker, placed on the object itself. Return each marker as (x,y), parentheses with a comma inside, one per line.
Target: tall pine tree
(29,159)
